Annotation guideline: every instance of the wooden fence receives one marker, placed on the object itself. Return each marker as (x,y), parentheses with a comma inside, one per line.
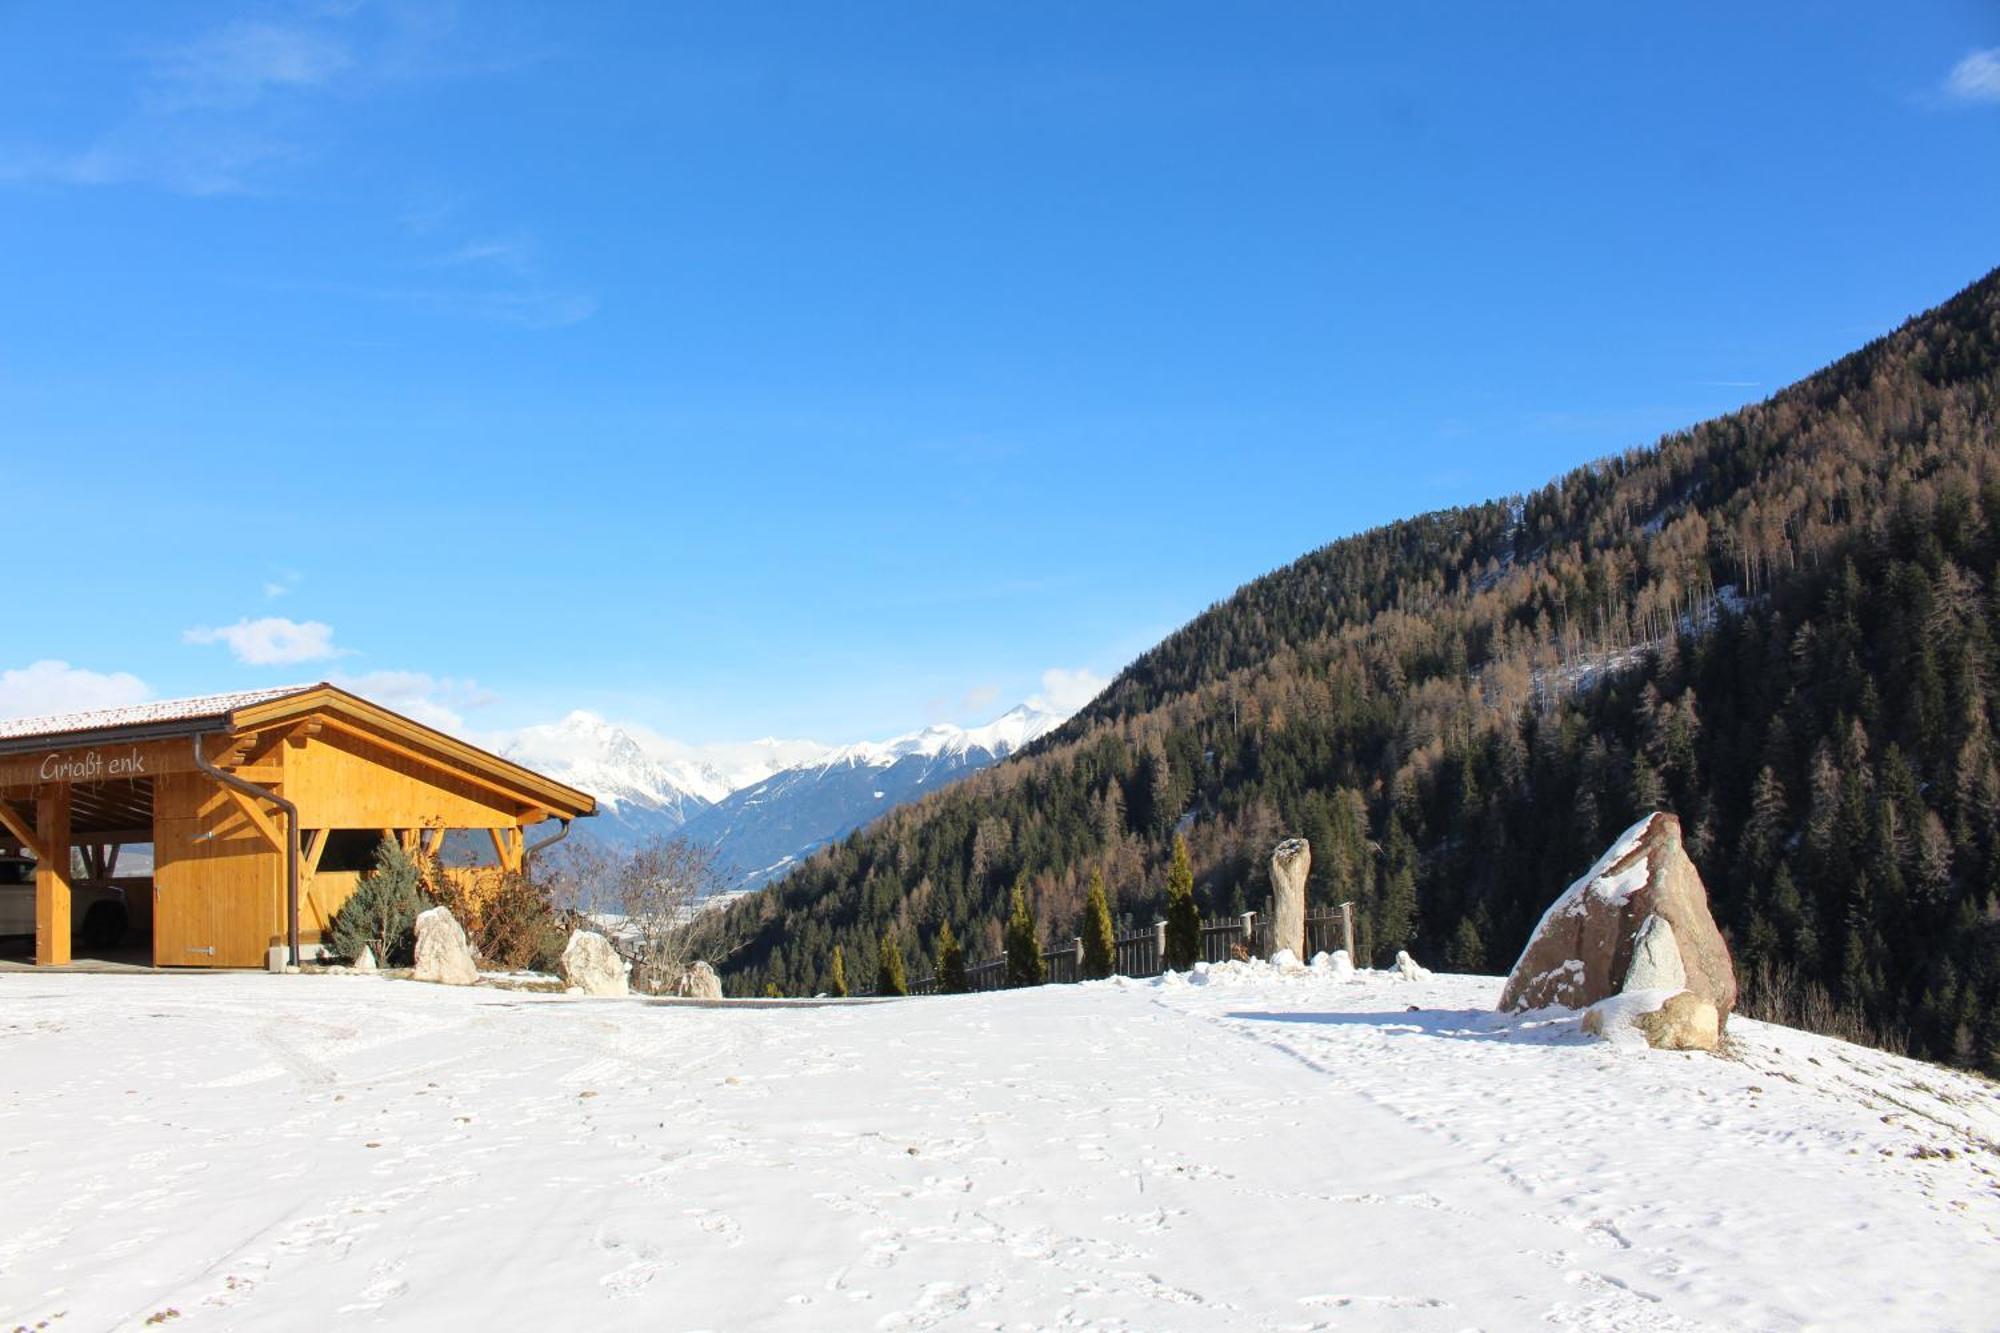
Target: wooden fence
(1144,954)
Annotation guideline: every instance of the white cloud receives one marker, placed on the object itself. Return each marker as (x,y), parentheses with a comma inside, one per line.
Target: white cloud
(203,160)
(434,701)
(1975,78)
(236,64)
(50,686)
(1066,689)
(978,698)
(271,641)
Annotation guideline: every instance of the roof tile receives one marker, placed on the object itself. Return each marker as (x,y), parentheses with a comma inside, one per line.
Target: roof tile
(162,710)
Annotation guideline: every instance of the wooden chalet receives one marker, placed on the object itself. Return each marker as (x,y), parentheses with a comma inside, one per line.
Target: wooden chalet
(261,810)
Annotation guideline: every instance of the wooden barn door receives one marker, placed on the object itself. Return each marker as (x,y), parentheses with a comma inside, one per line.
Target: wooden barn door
(216,879)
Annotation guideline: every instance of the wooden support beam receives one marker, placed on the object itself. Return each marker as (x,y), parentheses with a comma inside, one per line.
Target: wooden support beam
(258,819)
(11,820)
(115,837)
(52,897)
(311,850)
(499,846)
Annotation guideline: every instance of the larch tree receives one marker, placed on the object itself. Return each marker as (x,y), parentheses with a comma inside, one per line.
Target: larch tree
(1097,938)
(889,978)
(1025,965)
(1183,917)
(951,973)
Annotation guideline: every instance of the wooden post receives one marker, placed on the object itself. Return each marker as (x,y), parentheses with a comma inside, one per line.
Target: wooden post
(52,901)
(1250,934)
(1347,930)
(1160,947)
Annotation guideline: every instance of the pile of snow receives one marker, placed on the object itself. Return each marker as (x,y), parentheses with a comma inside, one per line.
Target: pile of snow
(1239,1147)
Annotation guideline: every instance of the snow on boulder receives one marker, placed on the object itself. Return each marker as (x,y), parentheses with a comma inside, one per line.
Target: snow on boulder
(591,965)
(365,960)
(699,982)
(1666,1020)
(1637,920)
(1411,969)
(443,955)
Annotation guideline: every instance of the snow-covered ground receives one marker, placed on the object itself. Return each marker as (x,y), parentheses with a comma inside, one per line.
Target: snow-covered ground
(1245,1150)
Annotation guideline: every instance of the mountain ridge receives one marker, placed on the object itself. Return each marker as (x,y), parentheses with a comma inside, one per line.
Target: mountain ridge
(1825,730)
(777,802)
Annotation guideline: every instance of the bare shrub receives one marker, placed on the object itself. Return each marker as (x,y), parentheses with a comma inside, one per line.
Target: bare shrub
(648,902)
(1775,992)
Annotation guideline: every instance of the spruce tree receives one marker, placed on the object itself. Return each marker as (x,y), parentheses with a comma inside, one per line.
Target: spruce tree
(837,987)
(1025,965)
(889,979)
(1097,941)
(1183,917)
(381,914)
(951,975)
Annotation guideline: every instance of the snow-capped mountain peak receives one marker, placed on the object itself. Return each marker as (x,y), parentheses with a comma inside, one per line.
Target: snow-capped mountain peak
(602,758)
(761,805)
(998,739)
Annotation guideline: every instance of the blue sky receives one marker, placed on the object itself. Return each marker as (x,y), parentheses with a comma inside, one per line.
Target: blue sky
(828,370)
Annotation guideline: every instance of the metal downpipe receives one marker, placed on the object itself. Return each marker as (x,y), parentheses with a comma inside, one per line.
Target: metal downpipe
(550,841)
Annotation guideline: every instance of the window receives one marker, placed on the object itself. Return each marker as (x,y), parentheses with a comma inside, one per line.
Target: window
(350,849)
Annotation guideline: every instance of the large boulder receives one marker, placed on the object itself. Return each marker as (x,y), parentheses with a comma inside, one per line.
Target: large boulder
(1637,920)
(443,955)
(1667,1021)
(699,982)
(1291,862)
(589,964)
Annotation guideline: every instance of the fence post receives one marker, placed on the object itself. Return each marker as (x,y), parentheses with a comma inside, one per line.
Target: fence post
(1250,934)
(1160,947)
(1347,930)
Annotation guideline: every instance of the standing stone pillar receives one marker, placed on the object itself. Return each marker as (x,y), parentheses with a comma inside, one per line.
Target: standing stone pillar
(1291,861)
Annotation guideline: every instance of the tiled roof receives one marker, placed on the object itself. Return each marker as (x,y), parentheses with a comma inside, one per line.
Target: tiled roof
(139,715)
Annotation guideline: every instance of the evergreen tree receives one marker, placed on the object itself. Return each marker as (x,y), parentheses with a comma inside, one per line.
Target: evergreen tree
(951,974)
(1025,964)
(381,914)
(1183,917)
(1829,738)
(1097,938)
(837,985)
(889,979)
(1467,950)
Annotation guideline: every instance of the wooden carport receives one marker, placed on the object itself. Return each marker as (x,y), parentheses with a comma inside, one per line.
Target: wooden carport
(254,804)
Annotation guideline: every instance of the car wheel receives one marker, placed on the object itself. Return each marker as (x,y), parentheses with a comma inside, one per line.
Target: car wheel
(104,925)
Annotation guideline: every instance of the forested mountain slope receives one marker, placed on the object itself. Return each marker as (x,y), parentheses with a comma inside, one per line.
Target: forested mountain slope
(1779,624)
